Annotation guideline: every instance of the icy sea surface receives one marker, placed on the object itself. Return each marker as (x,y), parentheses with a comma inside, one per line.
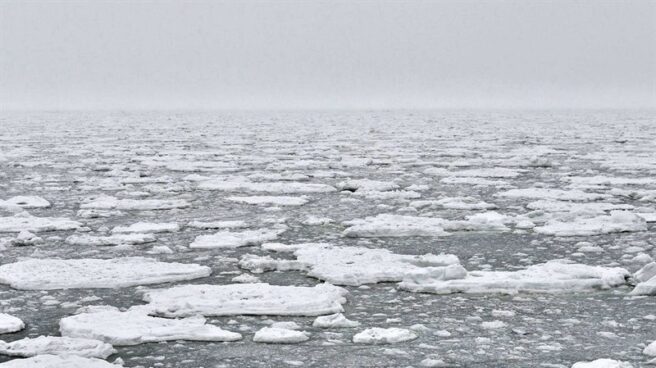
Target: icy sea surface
(241,195)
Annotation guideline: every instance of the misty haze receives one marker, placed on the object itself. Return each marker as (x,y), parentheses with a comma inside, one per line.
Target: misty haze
(312,183)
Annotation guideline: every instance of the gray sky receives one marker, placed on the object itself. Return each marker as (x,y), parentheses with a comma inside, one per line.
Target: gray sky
(327,54)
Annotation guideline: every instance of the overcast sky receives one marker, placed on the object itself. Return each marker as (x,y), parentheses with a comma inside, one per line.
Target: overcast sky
(327,54)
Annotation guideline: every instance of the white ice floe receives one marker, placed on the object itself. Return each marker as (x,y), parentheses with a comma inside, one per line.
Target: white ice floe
(336,320)
(388,195)
(255,299)
(25,202)
(148,227)
(387,225)
(607,180)
(647,216)
(357,266)
(135,326)
(646,277)
(473,181)
(230,239)
(116,239)
(56,345)
(377,335)
(277,335)
(93,214)
(9,323)
(229,224)
(456,203)
(316,220)
(271,200)
(650,349)
(286,187)
(554,194)
(111,203)
(36,224)
(367,185)
(26,238)
(550,277)
(496,172)
(57,361)
(603,363)
(48,274)
(616,222)
(576,207)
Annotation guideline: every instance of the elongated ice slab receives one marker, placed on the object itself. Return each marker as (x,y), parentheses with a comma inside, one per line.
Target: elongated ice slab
(48,274)
(603,363)
(135,326)
(229,239)
(256,299)
(25,202)
(57,345)
(285,187)
(57,361)
(276,335)
(111,203)
(386,225)
(271,200)
(549,277)
(616,222)
(36,224)
(148,227)
(377,335)
(116,239)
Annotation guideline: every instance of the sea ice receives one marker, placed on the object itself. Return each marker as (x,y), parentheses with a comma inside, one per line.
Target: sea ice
(117,239)
(36,224)
(25,202)
(254,299)
(135,326)
(9,323)
(377,335)
(148,227)
(57,361)
(56,345)
(277,335)
(271,200)
(229,239)
(111,203)
(616,222)
(549,277)
(336,320)
(48,274)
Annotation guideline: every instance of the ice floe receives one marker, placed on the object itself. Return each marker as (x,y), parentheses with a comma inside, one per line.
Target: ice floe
(9,323)
(35,224)
(58,361)
(554,194)
(57,345)
(550,277)
(603,363)
(116,239)
(135,326)
(230,239)
(286,187)
(377,335)
(336,320)
(25,202)
(113,203)
(236,299)
(277,335)
(271,200)
(48,274)
(148,227)
(616,222)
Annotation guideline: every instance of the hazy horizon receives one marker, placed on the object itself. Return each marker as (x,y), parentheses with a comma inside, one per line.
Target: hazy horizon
(326,55)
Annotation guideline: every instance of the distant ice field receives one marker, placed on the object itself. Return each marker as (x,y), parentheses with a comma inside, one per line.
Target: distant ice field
(328,239)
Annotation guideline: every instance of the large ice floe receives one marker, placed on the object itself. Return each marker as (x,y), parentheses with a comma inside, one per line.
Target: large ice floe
(278,335)
(9,323)
(48,274)
(377,335)
(25,202)
(353,265)
(255,299)
(388,225)
(116,239)
(270,200)
(57,345)
(283,187)
(135,326)
(616,222)
(148,227)
(554,194)
(550,277)
(232,239)
(59,361)
(113,203)
(35,224)
(603,363)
